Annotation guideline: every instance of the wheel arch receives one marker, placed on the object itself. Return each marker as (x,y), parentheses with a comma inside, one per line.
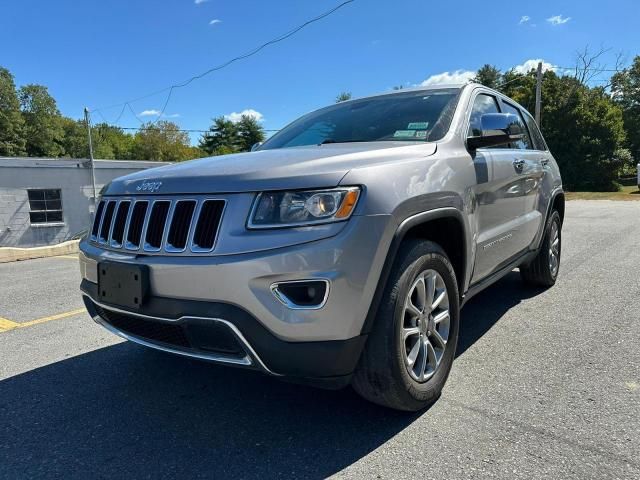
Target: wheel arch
(444,226)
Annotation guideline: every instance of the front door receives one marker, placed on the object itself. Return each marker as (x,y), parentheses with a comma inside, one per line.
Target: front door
(499,197)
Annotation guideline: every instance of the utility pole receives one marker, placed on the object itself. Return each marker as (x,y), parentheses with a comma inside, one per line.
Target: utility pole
(87,120)
(538,93)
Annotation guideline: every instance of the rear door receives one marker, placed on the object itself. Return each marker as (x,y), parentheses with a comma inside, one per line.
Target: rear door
(498,196)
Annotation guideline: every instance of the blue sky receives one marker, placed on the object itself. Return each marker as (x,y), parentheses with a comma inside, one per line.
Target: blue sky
(98,53)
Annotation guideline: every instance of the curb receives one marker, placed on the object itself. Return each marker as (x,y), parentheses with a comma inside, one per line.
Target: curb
(11,254)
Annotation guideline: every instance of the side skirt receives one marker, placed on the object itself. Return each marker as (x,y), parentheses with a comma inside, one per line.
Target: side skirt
(476,288)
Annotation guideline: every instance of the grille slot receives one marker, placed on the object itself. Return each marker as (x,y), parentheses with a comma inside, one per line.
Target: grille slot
(106,222)
(180,224)
(155,227)
(96,221)
(136,224)
(204,237)
(119,223)
(156,331)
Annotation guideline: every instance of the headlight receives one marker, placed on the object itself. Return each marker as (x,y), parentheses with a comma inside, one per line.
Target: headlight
(292,209)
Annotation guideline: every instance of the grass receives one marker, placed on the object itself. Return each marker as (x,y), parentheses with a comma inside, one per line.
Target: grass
(627,193)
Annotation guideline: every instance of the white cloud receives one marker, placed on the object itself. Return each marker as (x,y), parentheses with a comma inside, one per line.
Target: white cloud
(198,2)
(149,113)
(444,78)
(524,19)
(250,112)
(532,64)
(215,21)
(157,113)
(558,20)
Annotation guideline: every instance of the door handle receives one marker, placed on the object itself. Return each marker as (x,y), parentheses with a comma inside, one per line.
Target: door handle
(544,162)
(518,164)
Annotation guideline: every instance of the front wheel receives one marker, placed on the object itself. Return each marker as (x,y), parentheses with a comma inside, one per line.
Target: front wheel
(543,269)
(411,348)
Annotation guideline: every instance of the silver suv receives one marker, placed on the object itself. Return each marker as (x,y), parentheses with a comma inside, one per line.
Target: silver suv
(338,252)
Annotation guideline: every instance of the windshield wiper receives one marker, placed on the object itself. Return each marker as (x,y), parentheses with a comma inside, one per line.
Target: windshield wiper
(331,140)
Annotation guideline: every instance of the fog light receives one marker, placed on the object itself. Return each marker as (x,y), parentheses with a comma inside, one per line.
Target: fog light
(302,294)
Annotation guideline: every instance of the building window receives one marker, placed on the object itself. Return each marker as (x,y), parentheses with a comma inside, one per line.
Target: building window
(45,206)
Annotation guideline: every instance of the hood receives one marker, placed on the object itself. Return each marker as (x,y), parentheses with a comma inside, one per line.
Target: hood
(287,168)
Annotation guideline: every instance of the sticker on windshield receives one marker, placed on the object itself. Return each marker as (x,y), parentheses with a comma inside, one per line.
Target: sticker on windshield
(418,126)
(404,134)
(421,134)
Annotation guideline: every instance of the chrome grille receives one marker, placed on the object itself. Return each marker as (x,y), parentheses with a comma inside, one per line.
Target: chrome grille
(158,225)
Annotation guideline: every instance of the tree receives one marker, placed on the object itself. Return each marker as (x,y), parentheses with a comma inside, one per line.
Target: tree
(162,141)
(249,132)
(625,90)
(343,97)
(111,142)
(12,143)
(221,138)
(584,129)
(43,123)
(489,76)
(75,142)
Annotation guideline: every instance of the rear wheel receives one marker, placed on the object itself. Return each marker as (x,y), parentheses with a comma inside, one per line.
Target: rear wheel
(543,269)
(411,348)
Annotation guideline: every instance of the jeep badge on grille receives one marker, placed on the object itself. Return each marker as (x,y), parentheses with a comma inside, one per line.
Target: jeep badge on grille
(150,187)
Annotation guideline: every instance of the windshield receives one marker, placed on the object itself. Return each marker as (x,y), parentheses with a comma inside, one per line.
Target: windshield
(422,116)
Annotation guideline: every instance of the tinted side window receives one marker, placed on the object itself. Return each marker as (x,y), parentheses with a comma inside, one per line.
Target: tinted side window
(481,105)
(525,143)
(538,141)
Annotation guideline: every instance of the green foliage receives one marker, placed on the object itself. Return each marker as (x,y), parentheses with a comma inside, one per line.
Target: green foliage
(12,141)
(222,137)
(343,97)
(225,136)
(489,76)
(43,123)
(162,141)
(250,132)
(626,93)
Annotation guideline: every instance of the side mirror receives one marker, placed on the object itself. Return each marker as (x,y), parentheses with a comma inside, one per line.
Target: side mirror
(255,146)
(497,129)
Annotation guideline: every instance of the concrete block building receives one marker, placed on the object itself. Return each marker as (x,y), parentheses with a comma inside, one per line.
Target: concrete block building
(47,201)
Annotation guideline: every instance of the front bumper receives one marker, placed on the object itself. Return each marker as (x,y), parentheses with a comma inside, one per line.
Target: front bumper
(233,293)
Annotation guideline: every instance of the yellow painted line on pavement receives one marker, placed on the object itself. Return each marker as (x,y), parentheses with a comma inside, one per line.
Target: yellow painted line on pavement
(72,257)
(6,325)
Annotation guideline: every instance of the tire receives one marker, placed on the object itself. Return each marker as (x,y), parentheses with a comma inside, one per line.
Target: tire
(543,269)
(384,375)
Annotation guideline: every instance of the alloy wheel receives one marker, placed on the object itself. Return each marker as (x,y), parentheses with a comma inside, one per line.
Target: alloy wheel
(426,324)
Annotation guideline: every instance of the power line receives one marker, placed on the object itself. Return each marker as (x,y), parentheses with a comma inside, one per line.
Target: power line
(188,130)
(590,69)
(171,88)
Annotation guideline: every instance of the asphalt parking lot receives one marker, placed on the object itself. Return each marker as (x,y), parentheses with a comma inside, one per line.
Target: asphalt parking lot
(546,385)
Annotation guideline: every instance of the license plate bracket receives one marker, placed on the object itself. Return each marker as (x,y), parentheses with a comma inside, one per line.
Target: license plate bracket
(123,284)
